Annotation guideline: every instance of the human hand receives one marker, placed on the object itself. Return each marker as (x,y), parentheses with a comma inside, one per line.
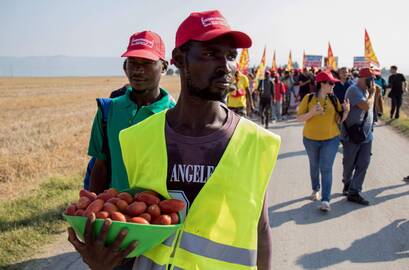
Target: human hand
(317,109)
(346,105)
(94,252)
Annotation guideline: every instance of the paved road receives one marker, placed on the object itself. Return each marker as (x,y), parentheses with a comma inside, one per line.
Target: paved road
(349,237)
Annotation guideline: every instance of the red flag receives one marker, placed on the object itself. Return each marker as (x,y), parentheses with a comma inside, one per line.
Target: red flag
(244,61)
(274,64)
(331,59)
(262,67)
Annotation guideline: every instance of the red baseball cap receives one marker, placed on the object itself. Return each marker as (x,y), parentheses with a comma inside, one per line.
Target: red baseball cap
(207,25)
(146,44)
(325,76)
(366,72)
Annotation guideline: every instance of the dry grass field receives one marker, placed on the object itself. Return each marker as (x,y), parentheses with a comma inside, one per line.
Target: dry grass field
(45,126)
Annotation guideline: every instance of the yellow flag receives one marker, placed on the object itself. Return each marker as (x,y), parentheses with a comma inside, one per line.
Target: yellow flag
(244,61)
(262,67)
(370,55)
(331,59)
(274,64)
(290,62)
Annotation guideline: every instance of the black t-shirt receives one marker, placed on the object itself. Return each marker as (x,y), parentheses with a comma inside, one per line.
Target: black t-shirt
(395,83)
(192,160)
(305,89)
(266,88)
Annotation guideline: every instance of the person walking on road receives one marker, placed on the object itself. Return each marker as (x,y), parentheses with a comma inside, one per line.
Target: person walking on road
(266,92)
(357,135)
(218,149)
(239,99)
(398,85)
(143,97)
(279,97)
(342,86)
(322,114)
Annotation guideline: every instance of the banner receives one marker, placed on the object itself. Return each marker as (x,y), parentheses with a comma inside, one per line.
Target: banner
(312,61)
(369,52)
(361,62)
(244,61)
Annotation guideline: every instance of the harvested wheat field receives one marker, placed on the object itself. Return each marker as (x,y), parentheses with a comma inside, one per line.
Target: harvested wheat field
(46,124)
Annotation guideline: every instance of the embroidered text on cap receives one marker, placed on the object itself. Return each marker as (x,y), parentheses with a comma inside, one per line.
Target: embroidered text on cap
(142,41)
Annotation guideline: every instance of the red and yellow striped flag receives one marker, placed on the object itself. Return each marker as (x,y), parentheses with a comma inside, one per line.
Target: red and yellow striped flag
(331,59)
(244,61)
(290,62)
(274,63)
(370,55)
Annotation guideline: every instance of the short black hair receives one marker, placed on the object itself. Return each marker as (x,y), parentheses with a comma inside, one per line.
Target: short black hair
(394,67)
(124,64)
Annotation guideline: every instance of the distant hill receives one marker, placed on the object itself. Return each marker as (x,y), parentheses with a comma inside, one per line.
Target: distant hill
(46,66)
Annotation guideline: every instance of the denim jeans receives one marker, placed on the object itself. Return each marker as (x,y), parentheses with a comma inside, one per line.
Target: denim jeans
(321,155)
(277,110)
(356,162)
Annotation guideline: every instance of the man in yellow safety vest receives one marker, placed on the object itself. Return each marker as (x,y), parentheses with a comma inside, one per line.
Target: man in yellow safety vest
(205,154)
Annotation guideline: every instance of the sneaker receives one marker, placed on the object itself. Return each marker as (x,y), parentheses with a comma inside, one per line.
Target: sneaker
(357,198)
(406,179)
(315,196)
(325,206)
(345,190)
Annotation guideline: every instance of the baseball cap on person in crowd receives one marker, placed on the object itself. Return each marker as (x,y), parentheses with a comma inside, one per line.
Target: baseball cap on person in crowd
(325,76)
(208,25)
(147,45)
(366,72)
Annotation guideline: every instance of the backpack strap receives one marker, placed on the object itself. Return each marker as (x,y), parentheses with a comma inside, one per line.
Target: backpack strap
(104,104)
(334,101)
(310,95)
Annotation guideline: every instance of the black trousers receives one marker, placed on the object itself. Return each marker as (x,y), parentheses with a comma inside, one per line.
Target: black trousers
(396,101)
(265,109)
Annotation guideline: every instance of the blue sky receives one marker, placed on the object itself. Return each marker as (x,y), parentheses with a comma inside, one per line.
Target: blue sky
(102,28)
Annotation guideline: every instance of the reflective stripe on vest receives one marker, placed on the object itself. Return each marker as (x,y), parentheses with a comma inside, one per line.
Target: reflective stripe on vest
(144,263)
(169,242)
(210,249)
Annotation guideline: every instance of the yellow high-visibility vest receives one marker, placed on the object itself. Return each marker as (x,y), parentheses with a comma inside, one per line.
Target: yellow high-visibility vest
(220,229)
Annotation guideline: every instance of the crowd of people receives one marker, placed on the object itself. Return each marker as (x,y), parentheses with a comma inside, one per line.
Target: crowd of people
(337,106)
(142,138)
(290,87)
